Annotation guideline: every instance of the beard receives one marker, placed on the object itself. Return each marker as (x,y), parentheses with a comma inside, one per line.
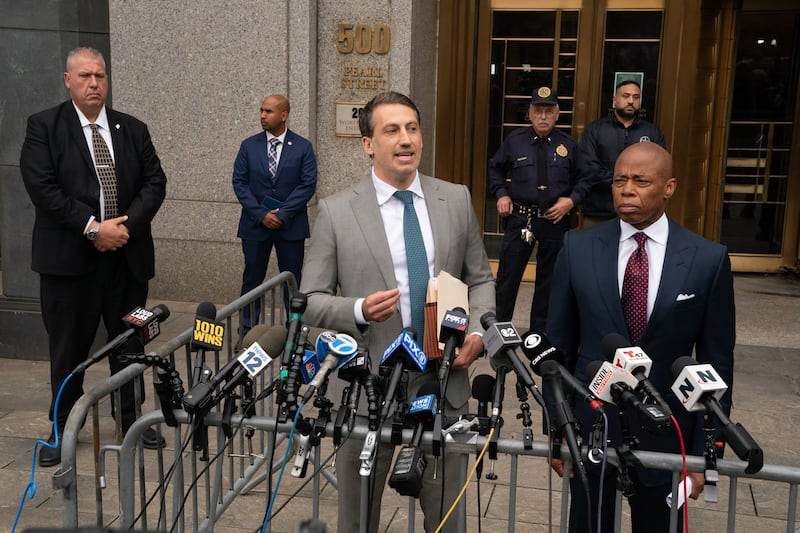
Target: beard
(624,113)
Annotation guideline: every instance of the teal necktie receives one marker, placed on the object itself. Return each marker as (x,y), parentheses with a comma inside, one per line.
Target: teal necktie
(417,263)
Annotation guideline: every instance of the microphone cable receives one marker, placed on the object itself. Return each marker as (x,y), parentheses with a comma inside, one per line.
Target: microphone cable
(196,479)
(160,489)
(316,472)
(603,465)
(31,487)
(469,480)
(684,474)
(283,466)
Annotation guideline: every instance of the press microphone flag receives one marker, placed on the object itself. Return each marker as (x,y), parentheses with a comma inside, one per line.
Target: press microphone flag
(694,382)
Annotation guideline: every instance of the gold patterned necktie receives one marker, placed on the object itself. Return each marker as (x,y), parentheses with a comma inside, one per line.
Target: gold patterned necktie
(107,173)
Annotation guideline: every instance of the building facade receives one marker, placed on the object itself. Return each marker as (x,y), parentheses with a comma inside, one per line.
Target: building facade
(719,77)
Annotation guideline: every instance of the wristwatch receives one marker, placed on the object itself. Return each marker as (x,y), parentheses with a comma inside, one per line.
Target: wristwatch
(92,233)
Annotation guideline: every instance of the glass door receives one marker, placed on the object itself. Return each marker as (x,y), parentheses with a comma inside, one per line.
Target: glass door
(529,49)
(758,218)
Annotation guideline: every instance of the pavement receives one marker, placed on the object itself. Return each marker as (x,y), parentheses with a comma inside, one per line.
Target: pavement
(765,402)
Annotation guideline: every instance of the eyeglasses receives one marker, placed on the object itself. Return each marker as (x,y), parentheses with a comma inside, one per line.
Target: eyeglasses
(545,111)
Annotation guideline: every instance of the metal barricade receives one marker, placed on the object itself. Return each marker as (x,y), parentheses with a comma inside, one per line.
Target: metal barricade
(267,297)
(199,493)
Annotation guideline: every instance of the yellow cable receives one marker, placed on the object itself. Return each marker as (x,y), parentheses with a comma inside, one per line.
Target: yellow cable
(469,480)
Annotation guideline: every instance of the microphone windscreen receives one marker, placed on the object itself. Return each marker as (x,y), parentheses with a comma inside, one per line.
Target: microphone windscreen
(680,363)
(428,388)
(483,387)
(611,343)
(592,367)
(487,319)
(255,334)
(273,341)
(207,310)
(162,312)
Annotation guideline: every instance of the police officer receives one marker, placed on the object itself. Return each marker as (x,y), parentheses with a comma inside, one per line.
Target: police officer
(545,185)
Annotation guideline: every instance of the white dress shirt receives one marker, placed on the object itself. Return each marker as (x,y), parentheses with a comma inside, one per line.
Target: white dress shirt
(656,247)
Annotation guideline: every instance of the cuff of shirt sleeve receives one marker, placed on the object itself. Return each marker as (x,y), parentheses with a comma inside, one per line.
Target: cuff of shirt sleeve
(358,312)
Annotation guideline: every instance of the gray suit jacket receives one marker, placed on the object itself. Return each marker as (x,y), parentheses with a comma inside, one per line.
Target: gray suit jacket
(349,258)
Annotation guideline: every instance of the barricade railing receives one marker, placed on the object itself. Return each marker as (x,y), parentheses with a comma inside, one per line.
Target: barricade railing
(467,444)
(202,491)
(265,297)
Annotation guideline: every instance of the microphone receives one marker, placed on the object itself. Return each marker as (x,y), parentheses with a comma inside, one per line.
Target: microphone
(538,349)
(297,305)
(340,351)
(633,359)
(142,323)
(452,333)
(563,418)
(482,389)
(701,384)
(618,384)
(500,339)
(403,353)
(314,354)
(205,314)
(406,476)
(251,362)
(353,371)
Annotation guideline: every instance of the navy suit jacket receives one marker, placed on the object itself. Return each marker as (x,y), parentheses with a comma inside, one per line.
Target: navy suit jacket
(585,307)
(61,179)
(294,185)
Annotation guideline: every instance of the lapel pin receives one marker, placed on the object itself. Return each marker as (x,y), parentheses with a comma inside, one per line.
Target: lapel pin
(289,143)
(117,126)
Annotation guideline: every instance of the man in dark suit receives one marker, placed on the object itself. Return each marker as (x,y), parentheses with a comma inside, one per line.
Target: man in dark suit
(359,280)
(92,244)
(274,178)
(688,288)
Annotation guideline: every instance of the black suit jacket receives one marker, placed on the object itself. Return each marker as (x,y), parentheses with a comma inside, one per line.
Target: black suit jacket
(60,177)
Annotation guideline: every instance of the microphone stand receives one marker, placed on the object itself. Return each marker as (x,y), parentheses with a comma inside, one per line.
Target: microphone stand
(525,416)
(627,459)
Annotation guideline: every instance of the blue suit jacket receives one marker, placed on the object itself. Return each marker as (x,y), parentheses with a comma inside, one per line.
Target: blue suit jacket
(294,185)
(585,306)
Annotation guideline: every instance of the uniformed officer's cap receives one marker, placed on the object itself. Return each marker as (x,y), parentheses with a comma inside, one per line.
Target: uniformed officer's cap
(544,96)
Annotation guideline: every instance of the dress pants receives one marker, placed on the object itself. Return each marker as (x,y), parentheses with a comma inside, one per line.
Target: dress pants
(514,256)
(256,260)
(348,464)
(649,510)
(72,307)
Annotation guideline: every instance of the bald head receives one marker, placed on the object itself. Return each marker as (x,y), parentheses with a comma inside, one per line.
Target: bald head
(661,159)
(642,183)
(274,113)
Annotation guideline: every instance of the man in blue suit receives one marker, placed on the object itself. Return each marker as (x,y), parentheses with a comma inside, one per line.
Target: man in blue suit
(688,287)
(274,177)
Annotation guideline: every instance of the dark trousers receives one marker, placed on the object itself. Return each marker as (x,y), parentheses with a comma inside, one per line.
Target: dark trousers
(256,259)
(514,256)
(649,510)
(71,310)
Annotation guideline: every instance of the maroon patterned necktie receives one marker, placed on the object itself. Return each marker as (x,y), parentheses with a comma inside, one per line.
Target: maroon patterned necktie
(634,290)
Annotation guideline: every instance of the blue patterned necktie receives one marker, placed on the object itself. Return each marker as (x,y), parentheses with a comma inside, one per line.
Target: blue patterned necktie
(272,156)
(417,263)
(634,289)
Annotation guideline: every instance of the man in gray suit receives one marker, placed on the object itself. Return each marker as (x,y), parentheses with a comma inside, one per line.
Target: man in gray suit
(357,280)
